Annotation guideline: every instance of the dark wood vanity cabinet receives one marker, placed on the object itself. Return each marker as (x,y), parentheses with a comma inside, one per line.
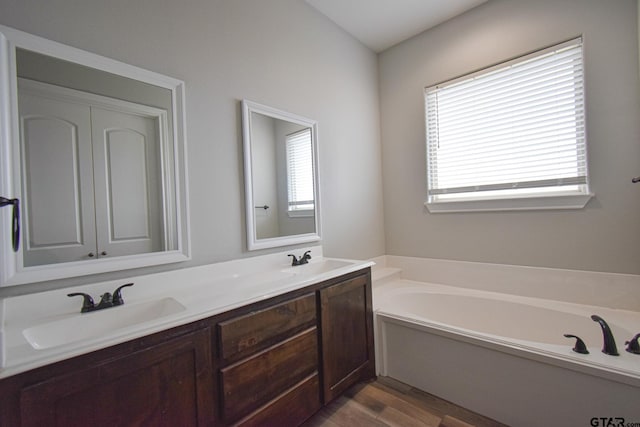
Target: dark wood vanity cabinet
(278,365)
(163,379)
(275,362)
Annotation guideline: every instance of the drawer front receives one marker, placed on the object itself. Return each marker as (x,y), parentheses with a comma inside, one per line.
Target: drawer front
(255,381)
(291,408)
(247,334)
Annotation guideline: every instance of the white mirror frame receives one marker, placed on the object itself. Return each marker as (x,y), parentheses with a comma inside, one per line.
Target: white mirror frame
(253,243)
(12,270)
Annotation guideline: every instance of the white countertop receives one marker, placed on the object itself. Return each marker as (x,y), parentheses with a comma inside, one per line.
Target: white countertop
(202,291)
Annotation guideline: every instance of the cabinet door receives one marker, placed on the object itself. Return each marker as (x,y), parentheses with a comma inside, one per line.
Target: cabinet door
(167,384)
(57,187)
(347,335)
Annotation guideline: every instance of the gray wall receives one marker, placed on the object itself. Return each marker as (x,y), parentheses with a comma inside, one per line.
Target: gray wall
(278,52)
(604,236)
(283,53)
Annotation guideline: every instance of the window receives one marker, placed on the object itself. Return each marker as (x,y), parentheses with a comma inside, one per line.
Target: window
(511,136)
(300,173)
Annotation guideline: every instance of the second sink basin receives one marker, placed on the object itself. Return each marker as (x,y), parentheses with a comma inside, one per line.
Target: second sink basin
(318,267)
(98,323)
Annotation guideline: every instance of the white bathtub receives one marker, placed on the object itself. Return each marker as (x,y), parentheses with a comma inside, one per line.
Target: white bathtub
(505,356)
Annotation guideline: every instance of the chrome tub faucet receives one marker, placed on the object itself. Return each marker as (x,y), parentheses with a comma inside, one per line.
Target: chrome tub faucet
(609,346)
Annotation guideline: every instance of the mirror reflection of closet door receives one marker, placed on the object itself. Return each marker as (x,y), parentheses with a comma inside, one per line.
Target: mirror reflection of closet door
(91,177)
(57,182)
(125,148)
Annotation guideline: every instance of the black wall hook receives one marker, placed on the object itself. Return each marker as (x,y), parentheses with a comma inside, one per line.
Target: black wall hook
(15,221)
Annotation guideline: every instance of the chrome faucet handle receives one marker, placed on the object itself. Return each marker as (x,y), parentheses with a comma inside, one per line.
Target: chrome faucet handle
(87,302)
(579,347)
(632,345)
(304,259)
(117,294)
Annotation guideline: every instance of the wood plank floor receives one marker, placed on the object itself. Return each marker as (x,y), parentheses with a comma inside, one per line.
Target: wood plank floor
(385,403)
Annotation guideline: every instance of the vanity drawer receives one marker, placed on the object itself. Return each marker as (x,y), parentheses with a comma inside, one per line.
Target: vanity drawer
(242,336)
(291,408)
(253,382)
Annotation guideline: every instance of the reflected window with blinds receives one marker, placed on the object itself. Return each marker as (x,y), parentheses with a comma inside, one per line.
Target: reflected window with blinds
(511,136)
(300,173)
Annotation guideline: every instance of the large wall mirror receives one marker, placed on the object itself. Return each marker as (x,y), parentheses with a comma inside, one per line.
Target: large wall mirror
(96,157)
(281,181)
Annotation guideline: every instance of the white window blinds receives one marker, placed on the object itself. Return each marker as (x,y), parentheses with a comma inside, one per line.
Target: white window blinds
(300,171)
(515,130)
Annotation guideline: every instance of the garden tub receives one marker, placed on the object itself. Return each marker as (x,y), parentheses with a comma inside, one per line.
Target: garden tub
(506,356)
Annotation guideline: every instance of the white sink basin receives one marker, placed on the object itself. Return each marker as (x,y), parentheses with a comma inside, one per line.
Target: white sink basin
(262,277)
(318,267)
(98,323)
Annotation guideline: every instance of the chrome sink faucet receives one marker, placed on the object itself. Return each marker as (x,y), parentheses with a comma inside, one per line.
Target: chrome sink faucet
(304,259)
(106,300)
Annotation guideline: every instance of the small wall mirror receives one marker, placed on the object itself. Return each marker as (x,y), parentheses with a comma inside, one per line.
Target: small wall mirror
(97,159)
(281,181)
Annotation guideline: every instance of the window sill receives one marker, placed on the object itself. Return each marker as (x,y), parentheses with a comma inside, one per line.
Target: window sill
(301,214)
(573,201)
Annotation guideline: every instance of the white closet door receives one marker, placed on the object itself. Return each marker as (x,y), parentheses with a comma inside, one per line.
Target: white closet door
(127,183)
(58,206)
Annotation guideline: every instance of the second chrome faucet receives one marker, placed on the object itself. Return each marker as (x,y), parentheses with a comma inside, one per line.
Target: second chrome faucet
(304,259)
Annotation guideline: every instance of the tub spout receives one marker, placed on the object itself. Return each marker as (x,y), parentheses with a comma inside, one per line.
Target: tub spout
(609,346)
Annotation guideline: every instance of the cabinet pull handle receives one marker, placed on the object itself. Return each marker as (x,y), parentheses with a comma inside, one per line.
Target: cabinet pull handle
(103,253)
(635,180)
(15,221)
(91,255)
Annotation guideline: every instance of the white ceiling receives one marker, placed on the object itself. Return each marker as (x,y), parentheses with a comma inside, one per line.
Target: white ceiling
(380,24)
